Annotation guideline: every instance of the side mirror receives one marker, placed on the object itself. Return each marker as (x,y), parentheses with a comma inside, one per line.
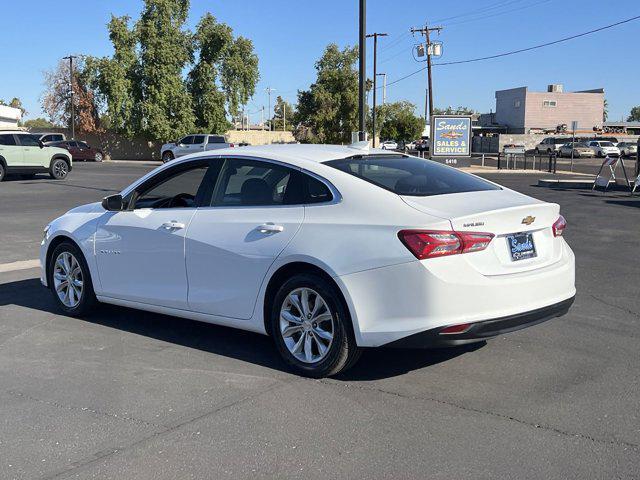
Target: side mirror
(113,203)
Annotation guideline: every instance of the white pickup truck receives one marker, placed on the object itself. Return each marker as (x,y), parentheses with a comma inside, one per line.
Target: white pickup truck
(192,144)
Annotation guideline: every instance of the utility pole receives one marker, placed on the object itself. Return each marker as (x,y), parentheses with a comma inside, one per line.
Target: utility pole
(269,90)
(284,115)
(262,118)
(73,116)
(375,76)
(384,87)
(362,77)
(428,104)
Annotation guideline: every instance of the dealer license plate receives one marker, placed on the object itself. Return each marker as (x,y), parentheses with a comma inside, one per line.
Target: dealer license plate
(521,246)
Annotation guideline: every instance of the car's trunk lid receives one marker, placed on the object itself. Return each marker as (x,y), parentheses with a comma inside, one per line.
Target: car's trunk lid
(502,213)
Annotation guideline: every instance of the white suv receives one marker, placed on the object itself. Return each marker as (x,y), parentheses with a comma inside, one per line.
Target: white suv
(604,149)
(23,153)
(193,144)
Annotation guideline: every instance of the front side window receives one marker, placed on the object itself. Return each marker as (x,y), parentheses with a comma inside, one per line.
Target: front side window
(7,139)
(83,145)
(186,140)
(254,183)
(411,176)
(28,141)
(198,139)
(178,190)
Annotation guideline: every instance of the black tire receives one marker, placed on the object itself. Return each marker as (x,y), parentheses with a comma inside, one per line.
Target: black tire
(98,157)
(342,353)
(167,156)
(599,154)
(59,169)
(3,172)
(88,299)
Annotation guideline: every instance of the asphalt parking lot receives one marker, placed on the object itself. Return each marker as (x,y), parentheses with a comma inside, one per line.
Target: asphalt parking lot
(133,395)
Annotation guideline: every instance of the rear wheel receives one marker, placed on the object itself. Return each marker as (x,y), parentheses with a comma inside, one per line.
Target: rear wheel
(59,169)
(311,327)
(70,280)
(3,171)
(167,156)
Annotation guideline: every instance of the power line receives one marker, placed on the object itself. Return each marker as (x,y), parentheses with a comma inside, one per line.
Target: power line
(479,10)
(513,52)
(496,14)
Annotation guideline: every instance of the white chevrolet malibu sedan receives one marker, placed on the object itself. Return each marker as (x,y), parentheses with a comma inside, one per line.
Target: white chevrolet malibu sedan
(327,249)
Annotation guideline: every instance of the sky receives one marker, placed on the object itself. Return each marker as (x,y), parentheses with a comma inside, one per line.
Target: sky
(289,36)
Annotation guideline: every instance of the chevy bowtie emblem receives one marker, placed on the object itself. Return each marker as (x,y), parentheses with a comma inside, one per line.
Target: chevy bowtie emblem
(528,220)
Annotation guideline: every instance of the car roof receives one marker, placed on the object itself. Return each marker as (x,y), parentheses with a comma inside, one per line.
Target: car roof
(296,154)
(15,132)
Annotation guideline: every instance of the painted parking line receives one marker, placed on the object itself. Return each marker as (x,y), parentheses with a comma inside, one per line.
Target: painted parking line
(21,265)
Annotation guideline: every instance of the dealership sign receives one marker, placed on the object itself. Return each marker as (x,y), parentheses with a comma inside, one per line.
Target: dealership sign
(450,136)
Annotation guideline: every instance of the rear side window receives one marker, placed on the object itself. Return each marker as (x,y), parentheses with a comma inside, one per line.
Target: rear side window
(198,139)
(7,139)
(28,141)
(411,176)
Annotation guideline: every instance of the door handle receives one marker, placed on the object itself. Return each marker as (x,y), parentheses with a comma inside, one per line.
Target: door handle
(172,225)
(270,227)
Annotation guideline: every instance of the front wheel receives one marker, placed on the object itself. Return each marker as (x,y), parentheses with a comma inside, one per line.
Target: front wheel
(312,328)
(70,280)
(3,172)
(59,169)
(98,157)
(167,156)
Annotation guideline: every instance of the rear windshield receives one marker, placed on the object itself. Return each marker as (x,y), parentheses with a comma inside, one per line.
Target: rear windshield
(411,176)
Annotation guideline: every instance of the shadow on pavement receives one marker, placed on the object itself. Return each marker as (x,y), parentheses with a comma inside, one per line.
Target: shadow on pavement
(375,363)
(625,203)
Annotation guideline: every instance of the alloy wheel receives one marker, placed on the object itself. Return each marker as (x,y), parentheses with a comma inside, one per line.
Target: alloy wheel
(307,325)
(60,169)
(68,280)
(98,157)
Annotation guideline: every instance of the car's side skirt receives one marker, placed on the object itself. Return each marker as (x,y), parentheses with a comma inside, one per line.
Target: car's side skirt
(249,325)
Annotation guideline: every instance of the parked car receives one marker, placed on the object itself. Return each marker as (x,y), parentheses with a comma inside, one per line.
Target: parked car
(550,145)
(193,144)
(604,149)
(372,249)
(80,151)
(423,145)
(389,145)
(21,153)
(628,149)
(47,138)
(410,145)
(579,150)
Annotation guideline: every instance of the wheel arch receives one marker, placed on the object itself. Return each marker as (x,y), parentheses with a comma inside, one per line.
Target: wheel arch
(60,156)
(57,240)
(285,272)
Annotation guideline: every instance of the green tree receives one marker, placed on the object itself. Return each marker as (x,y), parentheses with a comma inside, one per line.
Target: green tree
(38,123)
(634,115)
(142,88)
(328,111)
(461,110)
(283,112)
(165,50)
(398,121)
(116,79)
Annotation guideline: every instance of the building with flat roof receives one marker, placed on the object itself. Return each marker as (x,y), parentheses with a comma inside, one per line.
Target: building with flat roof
(9,117)
(523,111)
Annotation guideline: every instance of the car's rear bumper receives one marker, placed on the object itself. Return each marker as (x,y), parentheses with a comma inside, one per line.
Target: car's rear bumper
(392,303)
(484,330)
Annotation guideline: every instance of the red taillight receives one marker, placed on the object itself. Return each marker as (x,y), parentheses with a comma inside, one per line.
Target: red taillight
(438,243)
(454,329)
(559,226)
(231,145)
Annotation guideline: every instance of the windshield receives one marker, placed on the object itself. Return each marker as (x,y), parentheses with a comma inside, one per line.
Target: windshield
(411,176)
(606,144)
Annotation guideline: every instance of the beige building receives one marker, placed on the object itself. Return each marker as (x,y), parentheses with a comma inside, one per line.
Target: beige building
(524,111)
(9,117)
